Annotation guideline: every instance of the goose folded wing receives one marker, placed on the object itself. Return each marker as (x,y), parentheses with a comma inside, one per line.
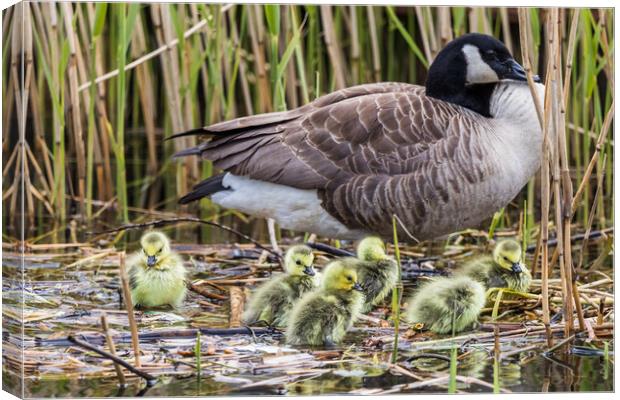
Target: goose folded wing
(368,129)
(365,149)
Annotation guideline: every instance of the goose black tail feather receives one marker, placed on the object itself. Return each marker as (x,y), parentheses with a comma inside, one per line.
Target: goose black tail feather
(190,151)
(205,188)
(196,131)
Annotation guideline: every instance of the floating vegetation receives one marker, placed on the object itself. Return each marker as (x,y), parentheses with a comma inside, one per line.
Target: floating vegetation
(92,90)
(65,339)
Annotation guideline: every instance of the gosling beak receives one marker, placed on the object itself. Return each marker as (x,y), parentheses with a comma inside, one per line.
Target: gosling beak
(308,270)
(151,260)
(358,287)
(516,268)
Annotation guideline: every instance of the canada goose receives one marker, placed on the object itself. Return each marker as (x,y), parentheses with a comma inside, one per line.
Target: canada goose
(273,300)
(447,304)
(156,273)
(322,317)
(503,269)
(443,157)
(377,273)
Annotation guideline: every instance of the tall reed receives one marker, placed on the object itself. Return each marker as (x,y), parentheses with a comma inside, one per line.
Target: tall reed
(197,64)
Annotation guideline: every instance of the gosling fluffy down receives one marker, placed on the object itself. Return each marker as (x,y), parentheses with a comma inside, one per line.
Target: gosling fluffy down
(376,271)
(156,273)
(504,269)
(447,304)
(273,301)
(323,317)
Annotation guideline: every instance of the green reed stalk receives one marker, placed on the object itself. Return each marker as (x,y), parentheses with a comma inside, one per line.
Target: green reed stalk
(524,231)
(97,29)
(299,58)
(396,292)
(121,96)
(54,72)
(312,61)
(495,375)
(198,355)
(406,35)
(230,95)
(453,364)
(497,217)
(272,14)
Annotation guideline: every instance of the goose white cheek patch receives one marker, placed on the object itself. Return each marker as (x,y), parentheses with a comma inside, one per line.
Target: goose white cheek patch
(478,71)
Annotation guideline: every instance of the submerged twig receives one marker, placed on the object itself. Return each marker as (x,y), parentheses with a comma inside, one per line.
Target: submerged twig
(150,379)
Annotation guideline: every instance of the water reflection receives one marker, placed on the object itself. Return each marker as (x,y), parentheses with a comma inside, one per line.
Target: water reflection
(560,373)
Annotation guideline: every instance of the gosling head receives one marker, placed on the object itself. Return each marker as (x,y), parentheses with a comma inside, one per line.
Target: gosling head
(340,275)
(298,261)
(371,248)
(507,254)
(466,70)
(155,248)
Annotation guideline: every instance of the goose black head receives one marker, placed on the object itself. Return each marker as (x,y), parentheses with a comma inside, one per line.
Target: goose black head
(466,71)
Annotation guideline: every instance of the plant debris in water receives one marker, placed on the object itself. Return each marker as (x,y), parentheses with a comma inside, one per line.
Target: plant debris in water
(66,294)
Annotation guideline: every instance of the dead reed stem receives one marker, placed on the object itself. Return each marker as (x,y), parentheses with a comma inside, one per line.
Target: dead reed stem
(110,342)
(161,49)
(330,41)
(135,342)
(524,29)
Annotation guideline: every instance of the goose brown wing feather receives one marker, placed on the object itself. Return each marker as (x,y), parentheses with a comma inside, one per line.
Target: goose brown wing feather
(371,151)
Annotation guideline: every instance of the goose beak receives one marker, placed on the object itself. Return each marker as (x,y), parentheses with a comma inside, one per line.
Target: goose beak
(516,268)
(308,270)
(151,260)
(515,71)
(358,287)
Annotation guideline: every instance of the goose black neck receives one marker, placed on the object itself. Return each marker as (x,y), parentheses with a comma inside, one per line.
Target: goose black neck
(475,97)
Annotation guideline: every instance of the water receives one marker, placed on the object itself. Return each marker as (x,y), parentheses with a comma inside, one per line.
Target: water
(575,374)
(62,299)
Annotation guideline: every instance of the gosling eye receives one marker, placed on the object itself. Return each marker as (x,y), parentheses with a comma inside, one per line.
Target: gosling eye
(506,258)
(298,262)
(349,278)
(160,250)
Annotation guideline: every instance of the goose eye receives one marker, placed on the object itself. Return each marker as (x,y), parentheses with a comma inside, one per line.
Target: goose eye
(492,54)
(349,278)
(298,262)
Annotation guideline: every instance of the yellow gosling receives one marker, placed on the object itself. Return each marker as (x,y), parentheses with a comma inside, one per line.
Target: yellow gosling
(156,273)
(376,271)
(322,317)
(504,269)
(273,301)
(447,304)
